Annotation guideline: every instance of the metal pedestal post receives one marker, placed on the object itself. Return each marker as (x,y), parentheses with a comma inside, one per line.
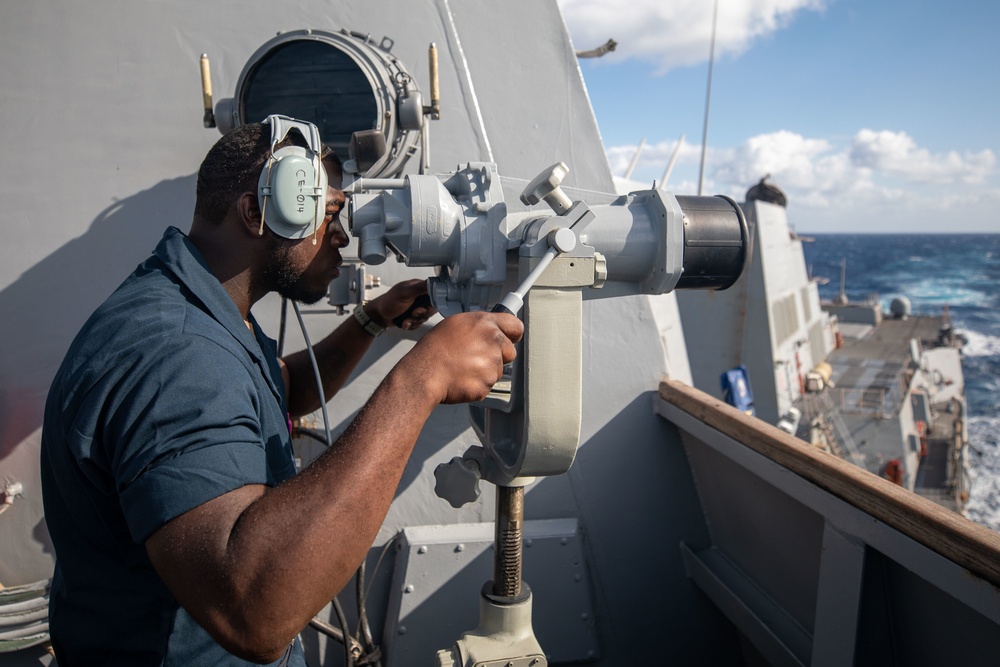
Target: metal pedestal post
(504,637)
(508,544)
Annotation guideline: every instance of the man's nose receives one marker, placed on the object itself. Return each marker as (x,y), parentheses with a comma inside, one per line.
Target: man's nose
(338,236)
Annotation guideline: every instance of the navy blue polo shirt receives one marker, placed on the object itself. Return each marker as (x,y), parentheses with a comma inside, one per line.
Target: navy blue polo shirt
(164,401)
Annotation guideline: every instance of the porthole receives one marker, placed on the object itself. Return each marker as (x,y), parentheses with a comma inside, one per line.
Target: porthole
(340,81)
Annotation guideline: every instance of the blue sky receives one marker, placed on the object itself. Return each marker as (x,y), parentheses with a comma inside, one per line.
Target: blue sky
(872,116)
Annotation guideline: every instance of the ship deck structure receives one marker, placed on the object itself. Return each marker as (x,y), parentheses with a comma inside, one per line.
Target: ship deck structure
(685,531)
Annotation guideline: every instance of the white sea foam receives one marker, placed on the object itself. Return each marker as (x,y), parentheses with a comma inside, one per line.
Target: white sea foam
(929,298)
(984,501)
(980,345)
(935,292)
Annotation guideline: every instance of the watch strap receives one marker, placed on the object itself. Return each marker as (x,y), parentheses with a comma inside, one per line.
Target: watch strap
(370,326)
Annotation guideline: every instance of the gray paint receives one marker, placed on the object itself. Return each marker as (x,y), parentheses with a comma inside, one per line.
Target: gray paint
(103,136)
(910,605)
(439,571)
(765,321)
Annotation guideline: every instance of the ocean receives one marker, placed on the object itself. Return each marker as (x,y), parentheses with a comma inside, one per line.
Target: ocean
(960,271)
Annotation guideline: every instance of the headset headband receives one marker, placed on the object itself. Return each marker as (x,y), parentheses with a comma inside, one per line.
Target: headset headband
(292,185)
(282,125)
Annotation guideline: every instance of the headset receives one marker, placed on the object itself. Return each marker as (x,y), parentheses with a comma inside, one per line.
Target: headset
(291,190)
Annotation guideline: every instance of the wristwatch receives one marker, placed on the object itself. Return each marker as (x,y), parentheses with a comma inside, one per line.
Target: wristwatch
(370,326)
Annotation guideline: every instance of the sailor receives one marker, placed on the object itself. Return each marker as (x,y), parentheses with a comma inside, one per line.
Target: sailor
(181,534)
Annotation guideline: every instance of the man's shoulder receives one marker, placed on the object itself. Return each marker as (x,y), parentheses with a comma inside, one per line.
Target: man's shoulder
(149,316)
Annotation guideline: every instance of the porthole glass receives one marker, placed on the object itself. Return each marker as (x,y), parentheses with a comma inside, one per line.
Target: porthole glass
(314,81)
(342,82)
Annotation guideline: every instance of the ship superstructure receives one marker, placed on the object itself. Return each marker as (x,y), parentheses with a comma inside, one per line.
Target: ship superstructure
(883,390)
(684,531)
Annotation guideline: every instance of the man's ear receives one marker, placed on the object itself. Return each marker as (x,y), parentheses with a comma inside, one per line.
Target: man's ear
(249,212)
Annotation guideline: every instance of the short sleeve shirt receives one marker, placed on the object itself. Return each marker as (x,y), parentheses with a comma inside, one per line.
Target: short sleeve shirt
(164,401)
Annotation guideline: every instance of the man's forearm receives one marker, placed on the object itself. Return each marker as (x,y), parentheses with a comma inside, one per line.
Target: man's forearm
(337,356)
(274,557)
(253,565)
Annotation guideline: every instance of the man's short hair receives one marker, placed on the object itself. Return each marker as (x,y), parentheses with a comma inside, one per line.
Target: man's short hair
(232,167)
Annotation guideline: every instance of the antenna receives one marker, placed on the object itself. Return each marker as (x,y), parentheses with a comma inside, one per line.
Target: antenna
(635,159)
(708,99)
(842,298)
(670,164)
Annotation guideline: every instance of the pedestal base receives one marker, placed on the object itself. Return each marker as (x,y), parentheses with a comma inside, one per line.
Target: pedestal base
(504,637)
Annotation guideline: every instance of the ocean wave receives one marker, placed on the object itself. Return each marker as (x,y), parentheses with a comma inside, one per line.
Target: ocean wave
(954,291)
(984,469)
(932,272)
(980,344)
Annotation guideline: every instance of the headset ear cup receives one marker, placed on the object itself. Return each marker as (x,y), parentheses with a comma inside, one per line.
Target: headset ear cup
(291,188)
(291,191)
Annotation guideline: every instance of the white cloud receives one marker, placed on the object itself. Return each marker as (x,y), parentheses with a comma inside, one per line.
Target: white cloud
(874,163)
(876,179)
(788,157)
(879,176)
(898,154)
(654,157)
(677,33)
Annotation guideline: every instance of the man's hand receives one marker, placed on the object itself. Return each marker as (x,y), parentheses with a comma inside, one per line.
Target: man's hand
(339,353)
(398,301)
(461,358)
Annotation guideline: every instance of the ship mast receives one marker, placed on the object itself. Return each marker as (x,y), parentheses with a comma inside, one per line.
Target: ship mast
(708,99)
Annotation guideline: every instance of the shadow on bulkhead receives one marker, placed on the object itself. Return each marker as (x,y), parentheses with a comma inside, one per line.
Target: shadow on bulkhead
(45,308)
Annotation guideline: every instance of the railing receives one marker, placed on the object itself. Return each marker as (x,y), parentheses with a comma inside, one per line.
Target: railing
(820,405)
(818,562)
(883,401)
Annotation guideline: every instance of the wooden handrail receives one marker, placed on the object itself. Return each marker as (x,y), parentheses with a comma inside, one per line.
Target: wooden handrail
(974,547)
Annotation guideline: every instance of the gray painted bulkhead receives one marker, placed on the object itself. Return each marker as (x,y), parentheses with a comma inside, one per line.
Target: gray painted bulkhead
(811,578)
(103,137)
(770,320)
(102,134)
